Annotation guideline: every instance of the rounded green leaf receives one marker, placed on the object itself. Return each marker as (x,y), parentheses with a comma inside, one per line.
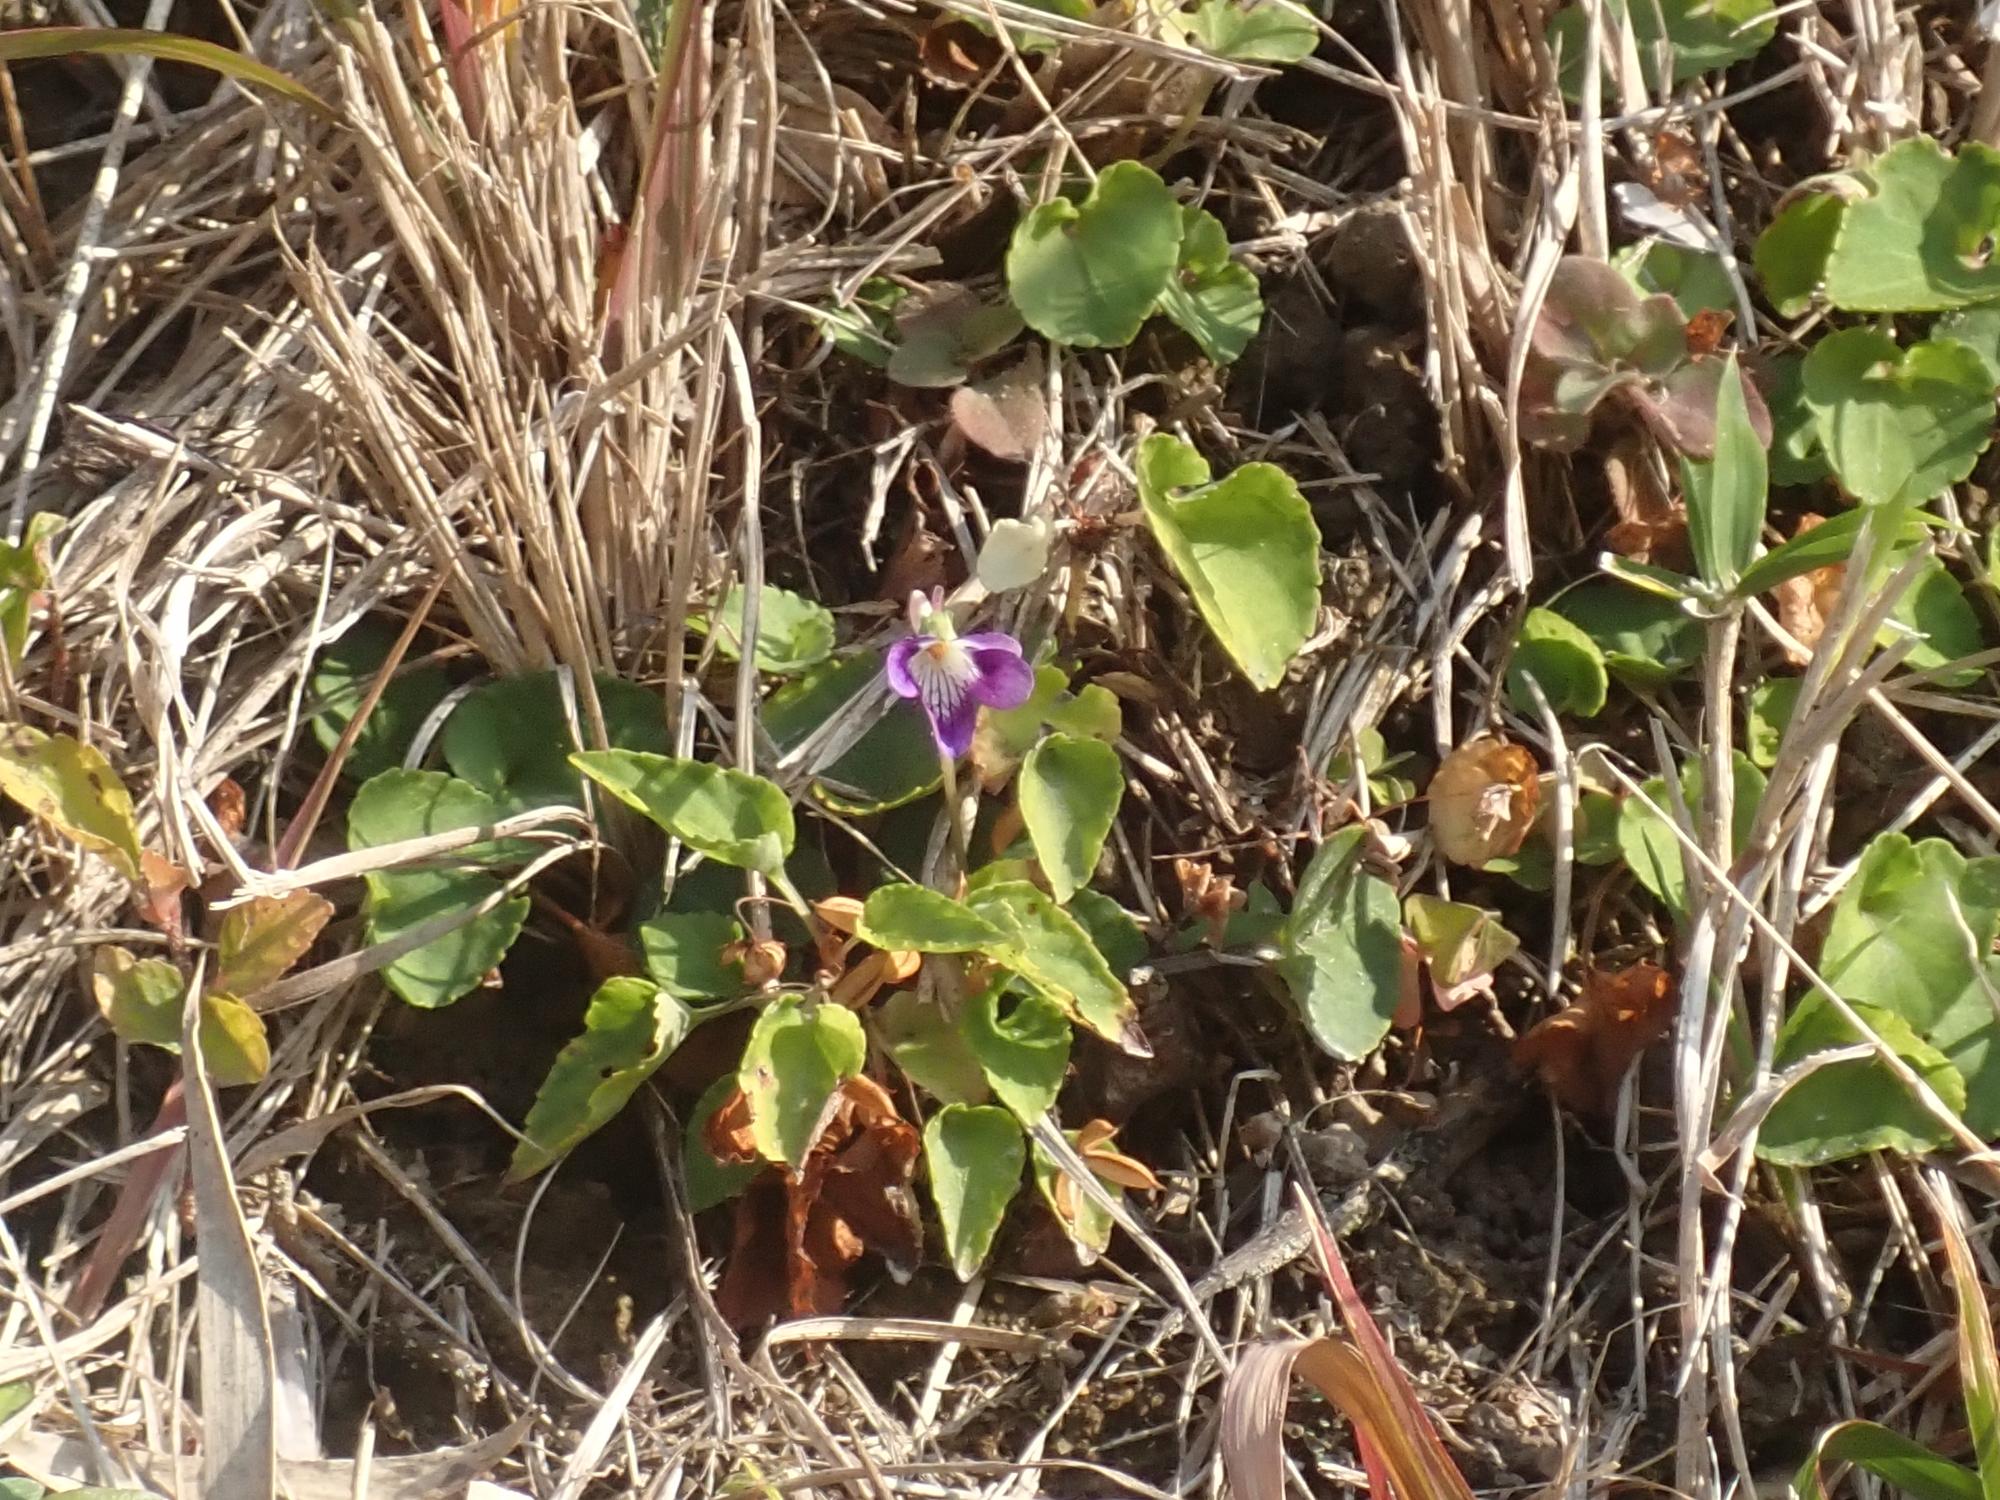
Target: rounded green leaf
(1921,240)
(139,998)
(70,786)
(512,738)
(797,1055)
(446,967)
(1947,627)
(1646,640)
(975,1154)
(1848,1108)
(1069,790)
(1046,946)
(1792,252)
(906,918)
(1978,328)
(1272,31)
(1898,425)
(1564,661)
(931,1047)
(341,679)
(1021,1043)
(683,953)
(234,1047)
(740,819)
(398,805)
(1209,295)
(1345,969)
(631,1027)
(1246,548)
(793,632)
(1089,274)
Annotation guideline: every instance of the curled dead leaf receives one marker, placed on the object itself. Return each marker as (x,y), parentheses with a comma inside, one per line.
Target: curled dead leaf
(1483,800)
(798,1237)
(156,896)
(1208,898)
(956,54)
(1651,526)
(1093,1144)
(763,961)
(872,975)
(1806,603)
(1582,1052)
(1006,414)
(1393,1434)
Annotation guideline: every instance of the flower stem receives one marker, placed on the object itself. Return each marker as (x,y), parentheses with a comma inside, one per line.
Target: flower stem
(954,810)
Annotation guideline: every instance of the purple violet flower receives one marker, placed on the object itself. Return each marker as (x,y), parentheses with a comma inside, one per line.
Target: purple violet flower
(953,676)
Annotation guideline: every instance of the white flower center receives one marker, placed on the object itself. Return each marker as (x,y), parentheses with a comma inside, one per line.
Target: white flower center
(942,671)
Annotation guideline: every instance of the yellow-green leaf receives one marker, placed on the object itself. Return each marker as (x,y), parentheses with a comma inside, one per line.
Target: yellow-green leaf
(234,1047)
(263,938)
(72,788)
(111,41)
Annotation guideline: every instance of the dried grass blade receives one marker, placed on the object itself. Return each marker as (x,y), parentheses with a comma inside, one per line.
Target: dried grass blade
(239,1455)
(1398,1446)
(1978,1360)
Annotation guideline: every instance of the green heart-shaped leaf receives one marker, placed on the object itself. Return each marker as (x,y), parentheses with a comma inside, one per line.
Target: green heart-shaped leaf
(512,738)
(1070,789)
(631,1027)
(1922,240)
(975,1154)
(795,1058)
(1898,426)
(1246,548)
(1089,274)
(398,805)
(793,632)
(1562,660)
(731,816)
(1213,298)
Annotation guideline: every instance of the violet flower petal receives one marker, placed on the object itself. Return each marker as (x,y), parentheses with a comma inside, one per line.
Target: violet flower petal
(897,665)
(1004,680)
(953,728)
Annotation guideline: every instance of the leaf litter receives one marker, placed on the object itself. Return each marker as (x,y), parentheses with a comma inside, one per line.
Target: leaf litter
(399,393)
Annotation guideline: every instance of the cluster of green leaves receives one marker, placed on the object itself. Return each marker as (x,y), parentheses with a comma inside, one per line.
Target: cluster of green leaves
(1086,269)
(507,745)
(1909,232)
(1090,271)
